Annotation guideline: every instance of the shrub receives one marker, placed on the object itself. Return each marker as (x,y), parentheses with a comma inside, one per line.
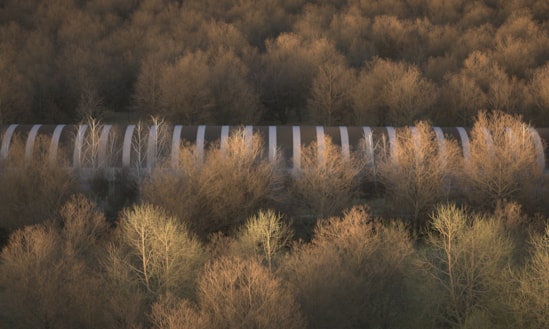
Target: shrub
(358,273)
(418,172)
(221,192)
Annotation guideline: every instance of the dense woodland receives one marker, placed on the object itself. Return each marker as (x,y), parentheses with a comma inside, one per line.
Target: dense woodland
(426,238)
(366,62)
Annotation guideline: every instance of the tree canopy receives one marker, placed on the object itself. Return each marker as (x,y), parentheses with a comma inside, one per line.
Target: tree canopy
(274,62)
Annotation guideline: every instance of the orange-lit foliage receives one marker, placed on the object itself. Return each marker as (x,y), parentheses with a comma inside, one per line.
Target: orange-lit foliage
(327,182)
(504,162)
(32,190)
(390,92)
(109,55)
(218,190)
(233,293)
(418,171)
(49,271)
(330,102)
(357,273)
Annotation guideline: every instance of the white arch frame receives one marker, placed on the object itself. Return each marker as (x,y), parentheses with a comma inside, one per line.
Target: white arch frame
(296,135)
(465,146)
(7,141)
(345,147)
(127,146)
(78,143)
(176,144)
(31,139)
(272,144)
(54,144)
(103,141)
(369,144)
(200,141)
(320,144)
(391,134)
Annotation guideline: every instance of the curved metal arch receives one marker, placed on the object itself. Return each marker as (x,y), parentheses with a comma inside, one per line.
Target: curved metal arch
(6,141)
(285,141)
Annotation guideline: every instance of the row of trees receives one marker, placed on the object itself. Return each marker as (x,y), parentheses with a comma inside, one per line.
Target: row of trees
(336,62)
(472,271)
(195,247)
(217,188)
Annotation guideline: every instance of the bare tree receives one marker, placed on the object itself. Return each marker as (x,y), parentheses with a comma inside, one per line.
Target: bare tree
(208,87)
(288,69)
(265,234)
(357,272)
(90,104)
(157,251)
(98,148)
(234,100)
(393,38)
(184,94)
(329,101)
(349,28)
(244,294)
(409,97)
(326,182)
(505,161)
(469,259)
(170,312)
(147,95)
(150,146)
(539,88)
(32,190)
(418,173)
(49,272)
(506,93)
(232,293)
(389,93)
(530,301)
(219,189)
(519,44)
(463,97)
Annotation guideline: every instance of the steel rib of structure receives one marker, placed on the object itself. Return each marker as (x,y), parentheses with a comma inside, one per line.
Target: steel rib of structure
(129,146)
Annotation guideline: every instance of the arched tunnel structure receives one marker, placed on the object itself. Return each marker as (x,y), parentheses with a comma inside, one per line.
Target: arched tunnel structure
(125,146)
